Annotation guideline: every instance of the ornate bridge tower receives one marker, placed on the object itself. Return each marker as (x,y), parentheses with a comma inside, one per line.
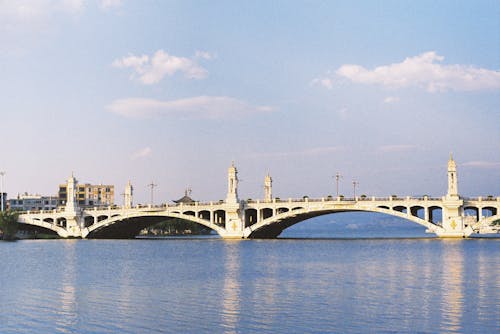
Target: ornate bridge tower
(453,216)
(268,188)
(72,211)
(234,222)
(128,195)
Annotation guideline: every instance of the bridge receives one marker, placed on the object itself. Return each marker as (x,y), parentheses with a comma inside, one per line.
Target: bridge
(448,216)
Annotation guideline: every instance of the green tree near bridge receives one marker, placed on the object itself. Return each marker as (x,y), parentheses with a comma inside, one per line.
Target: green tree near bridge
(9,225)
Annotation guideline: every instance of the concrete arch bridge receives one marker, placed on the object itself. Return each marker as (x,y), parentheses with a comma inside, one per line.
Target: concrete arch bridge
(264,219)
(447,216)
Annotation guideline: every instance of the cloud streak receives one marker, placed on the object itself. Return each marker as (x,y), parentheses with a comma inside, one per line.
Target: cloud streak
(315,151)
(391,99)
(482,164)
(199,107)
(426,71)
(396,148)
(152,69)
(142,153)
(324,82)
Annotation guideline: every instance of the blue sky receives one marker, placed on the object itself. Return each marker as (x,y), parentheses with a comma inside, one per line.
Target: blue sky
(173,91)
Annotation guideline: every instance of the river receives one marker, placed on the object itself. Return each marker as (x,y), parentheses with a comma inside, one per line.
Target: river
(298,284)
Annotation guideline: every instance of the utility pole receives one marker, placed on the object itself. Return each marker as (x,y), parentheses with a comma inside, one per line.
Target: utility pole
(337,178)
(354,184)
(2,174)
(152,185)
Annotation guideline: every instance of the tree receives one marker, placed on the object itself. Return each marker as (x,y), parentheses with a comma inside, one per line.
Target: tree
(9,224)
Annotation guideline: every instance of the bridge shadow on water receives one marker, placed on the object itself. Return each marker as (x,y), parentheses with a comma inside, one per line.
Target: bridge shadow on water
(344,225)
(355,225)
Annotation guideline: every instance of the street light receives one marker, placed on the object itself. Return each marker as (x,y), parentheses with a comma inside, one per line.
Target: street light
(337,178)
(1,189)
(152,185)
(354,184)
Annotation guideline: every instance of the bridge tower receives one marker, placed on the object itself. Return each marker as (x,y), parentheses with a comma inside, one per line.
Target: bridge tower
(453,220)
(128,195)
(71,210)
(71,203)
(268,188)
(234,222)
(232,184)
(452,179)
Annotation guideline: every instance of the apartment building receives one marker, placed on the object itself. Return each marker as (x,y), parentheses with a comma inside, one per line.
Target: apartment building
(28,202)
(89,195)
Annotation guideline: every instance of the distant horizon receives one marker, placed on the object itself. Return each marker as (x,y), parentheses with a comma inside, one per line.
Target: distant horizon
(172,92)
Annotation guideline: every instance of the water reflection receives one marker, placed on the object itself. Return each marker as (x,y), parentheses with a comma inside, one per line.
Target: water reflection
(452,286)
(231,289)
(66,316)
(487,285)
(280,286)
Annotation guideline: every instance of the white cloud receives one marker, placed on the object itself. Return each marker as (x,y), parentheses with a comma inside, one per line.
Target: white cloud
(142,153)
(211,107)
(396,148)
(151,70)
(204,55)
(425,70)
(325,82)
(482,164)
(391,99)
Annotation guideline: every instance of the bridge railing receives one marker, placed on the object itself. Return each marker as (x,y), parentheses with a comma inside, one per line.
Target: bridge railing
(482,199)
(346,199)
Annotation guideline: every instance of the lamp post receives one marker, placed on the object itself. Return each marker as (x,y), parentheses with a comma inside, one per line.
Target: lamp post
(123,196)
(337,178)
(152,185)
(2,174)
(354,184)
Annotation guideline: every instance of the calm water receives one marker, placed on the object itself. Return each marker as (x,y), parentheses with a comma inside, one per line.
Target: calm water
(209,285)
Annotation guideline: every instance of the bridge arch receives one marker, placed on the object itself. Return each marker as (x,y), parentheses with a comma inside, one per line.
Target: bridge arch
(472,211)
(435,213)
(250,216)
(400,208)
(266,213)
(45,224)
(418,211)
(139,220)
(273,226)
(491,210)
(204,214)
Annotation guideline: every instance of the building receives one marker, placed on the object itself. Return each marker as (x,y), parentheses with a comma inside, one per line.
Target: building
(27,202)
(88,195)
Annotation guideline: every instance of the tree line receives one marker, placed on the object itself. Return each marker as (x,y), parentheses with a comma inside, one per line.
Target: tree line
(8,224)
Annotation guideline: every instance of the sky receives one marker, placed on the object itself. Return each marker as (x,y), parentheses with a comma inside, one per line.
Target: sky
(171,92)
